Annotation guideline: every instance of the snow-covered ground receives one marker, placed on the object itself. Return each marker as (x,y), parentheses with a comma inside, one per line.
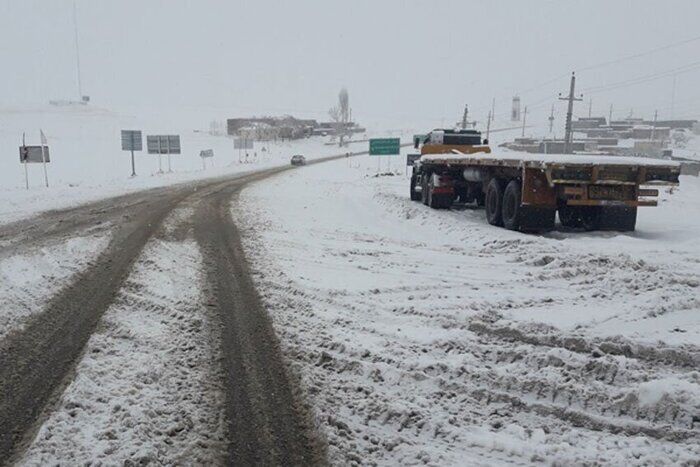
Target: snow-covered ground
(87,162)
(431,337)
(29,279)
(148,389)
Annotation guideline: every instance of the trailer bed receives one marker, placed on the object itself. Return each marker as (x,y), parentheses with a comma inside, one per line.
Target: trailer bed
(524,159)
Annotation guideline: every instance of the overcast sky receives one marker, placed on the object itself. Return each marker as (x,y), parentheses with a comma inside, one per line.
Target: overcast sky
(401,60)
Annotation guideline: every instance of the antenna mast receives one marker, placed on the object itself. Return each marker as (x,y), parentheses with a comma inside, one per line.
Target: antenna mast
(77,49)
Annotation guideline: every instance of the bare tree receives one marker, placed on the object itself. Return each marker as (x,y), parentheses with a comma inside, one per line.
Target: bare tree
(340,114)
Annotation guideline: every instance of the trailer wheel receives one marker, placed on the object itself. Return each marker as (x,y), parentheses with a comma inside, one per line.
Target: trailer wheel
(494,202)
(510,210)
(424,189)
(415,196)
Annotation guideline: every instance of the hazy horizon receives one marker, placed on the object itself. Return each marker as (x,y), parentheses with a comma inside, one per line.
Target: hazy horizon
(402,61)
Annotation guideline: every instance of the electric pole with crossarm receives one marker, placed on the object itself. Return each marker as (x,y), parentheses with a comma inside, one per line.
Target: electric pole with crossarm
(568,136)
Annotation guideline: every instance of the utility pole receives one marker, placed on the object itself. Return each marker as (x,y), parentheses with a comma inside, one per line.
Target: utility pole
(590,107)
(488,124)
(653,129)
(610,115)
(493,109)
(464,116)
(77,50)
(524,118)
(551,120)
(568,136)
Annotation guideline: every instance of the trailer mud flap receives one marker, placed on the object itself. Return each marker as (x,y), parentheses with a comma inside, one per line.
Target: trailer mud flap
(536,219)
(537,192)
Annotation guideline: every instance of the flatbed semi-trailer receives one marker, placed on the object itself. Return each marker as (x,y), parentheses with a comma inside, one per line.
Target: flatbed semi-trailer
(523,191)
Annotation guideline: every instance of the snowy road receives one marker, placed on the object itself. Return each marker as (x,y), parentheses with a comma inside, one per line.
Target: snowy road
(71,387)
(431,337)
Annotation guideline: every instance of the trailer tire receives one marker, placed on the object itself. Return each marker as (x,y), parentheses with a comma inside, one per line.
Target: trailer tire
(424,189)
(494,202)
(415,196)
(510,209)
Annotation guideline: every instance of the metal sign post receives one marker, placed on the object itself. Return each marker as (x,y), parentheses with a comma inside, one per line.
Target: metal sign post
(32,155)
(384,147)
(167,145)
(43,156)
(241,144)
(205,154)
(163,144)
(132,141)
(24,155)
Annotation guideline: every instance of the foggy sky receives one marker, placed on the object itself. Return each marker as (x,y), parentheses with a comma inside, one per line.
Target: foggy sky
(401,60)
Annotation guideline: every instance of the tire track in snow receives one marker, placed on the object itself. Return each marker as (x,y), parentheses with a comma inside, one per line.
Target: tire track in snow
(149,387)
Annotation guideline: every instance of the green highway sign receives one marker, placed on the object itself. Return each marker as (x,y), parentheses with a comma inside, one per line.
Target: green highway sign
(384,147)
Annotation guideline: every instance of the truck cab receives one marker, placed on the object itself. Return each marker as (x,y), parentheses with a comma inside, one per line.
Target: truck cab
(435,187)
(440,141)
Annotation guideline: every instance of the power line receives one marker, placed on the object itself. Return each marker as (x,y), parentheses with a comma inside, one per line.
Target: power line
(640,54)
(644,79)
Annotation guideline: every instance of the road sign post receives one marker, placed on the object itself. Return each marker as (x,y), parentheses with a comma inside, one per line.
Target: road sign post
(44,142)
(132,141)
(384,147)
(163,144)
(23,156)
(206,154)
(33,155)
(241,144)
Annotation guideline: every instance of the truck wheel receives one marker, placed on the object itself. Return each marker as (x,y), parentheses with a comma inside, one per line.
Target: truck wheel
(494,202)
(620,218)
(424,189)
(510,210)
(415,196)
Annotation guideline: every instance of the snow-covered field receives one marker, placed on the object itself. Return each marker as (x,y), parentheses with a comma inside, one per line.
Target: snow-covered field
(87,162)
(431,337)
(148,389)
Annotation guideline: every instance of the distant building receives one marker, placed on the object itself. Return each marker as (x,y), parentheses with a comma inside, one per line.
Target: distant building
(284,127)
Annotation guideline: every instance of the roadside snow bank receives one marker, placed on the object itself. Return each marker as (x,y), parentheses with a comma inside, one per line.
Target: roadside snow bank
(431,337)
(148,390)
(27,281)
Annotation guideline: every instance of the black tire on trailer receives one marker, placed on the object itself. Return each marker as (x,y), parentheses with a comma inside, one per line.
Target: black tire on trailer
(494,202)
(620,218)
(415,196)
(510,209)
